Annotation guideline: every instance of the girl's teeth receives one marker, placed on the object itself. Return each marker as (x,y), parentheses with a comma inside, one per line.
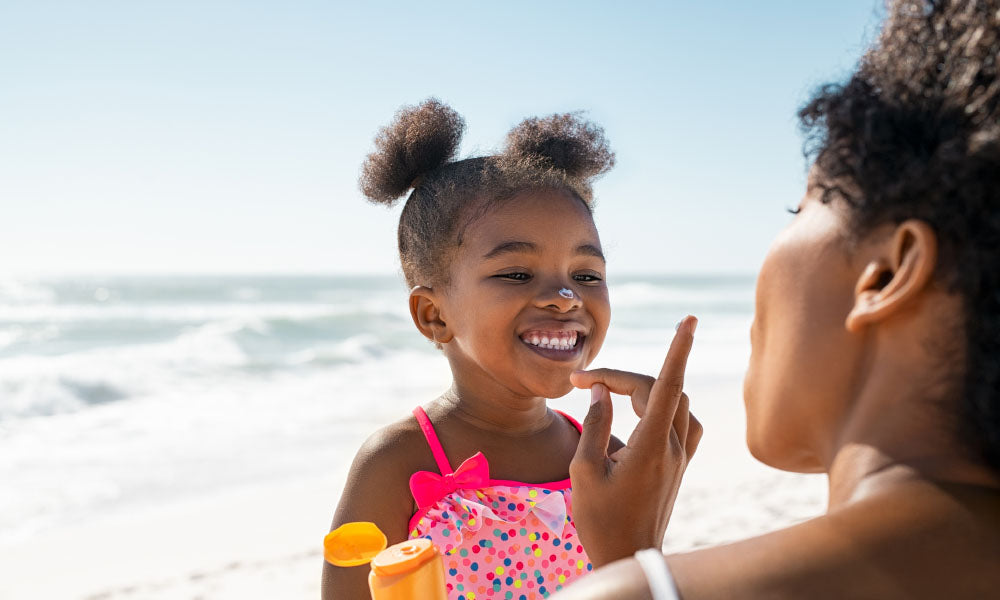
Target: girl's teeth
(556,342)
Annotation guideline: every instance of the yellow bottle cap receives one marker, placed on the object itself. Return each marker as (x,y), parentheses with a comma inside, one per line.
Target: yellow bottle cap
(403,557)
(353,544)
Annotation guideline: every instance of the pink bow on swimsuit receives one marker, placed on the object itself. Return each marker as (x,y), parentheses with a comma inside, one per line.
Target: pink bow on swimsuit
(428,487)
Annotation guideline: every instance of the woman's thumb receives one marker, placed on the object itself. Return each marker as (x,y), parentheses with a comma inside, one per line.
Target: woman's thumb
(596,434)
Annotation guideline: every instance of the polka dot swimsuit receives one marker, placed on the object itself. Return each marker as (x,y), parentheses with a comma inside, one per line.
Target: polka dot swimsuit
(498,539)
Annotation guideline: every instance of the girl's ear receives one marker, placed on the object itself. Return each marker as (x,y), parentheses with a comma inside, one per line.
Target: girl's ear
(901,272)
(425,309)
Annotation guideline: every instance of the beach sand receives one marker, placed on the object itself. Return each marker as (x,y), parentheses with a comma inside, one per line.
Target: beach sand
(265,542)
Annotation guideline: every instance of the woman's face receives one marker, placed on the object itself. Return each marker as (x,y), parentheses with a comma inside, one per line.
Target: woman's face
(804,360)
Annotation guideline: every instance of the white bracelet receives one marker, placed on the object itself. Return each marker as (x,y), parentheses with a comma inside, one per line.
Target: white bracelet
(661,583)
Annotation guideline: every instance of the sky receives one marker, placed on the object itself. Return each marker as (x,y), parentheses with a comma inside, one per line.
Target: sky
(227,137)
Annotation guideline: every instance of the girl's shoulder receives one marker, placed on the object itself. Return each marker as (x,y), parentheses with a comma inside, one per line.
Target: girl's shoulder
(377,490)
(398,449)
(377,485)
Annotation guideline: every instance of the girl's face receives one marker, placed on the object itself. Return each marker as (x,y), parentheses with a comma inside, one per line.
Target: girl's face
(527,303)
(804,359)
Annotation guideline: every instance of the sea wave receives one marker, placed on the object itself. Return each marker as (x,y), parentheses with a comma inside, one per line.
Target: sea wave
(174,312)
(44,385)
(69,345)
(723,296)
(48,395)
(18,292)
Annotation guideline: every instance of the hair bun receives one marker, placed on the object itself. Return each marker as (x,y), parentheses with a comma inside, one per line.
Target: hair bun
(565,142)
(419,139)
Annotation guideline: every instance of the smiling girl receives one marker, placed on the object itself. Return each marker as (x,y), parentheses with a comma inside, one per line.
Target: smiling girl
(507,278)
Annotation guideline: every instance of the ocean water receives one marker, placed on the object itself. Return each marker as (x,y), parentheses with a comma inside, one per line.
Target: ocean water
(121,394)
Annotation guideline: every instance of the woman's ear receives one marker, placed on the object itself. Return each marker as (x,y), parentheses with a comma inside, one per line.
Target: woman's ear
(425,309)
(892,279)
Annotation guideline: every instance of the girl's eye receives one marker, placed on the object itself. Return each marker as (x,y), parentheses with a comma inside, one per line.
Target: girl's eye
(587,277)
(516,276)
(794,211)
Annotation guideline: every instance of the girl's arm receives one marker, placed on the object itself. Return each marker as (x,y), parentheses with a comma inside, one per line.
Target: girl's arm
(377,490)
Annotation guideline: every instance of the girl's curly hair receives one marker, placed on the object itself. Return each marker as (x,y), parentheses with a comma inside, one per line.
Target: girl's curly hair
(915,133)
(416,151)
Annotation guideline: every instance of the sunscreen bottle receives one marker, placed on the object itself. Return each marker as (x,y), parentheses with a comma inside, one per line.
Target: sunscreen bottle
(408,570)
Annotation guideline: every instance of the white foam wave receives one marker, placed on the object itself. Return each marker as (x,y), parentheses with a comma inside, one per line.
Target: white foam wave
(645,294)
(34,385)
(66,313)
(356,349)
(21,292)
(197,436)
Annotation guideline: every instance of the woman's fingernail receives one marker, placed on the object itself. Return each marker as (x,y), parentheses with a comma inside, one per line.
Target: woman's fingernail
(694,323)
(595,393)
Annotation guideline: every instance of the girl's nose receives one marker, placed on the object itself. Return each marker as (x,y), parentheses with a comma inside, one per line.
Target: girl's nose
(560,297)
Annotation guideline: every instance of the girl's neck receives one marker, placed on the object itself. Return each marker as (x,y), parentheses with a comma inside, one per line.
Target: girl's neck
(515,417)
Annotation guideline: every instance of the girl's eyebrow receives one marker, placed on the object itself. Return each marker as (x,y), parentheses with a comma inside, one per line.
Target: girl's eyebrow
(515,247)
(512,248)
(590,250)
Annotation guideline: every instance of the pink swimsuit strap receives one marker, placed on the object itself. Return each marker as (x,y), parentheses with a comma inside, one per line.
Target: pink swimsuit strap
(435,444)
(432,440)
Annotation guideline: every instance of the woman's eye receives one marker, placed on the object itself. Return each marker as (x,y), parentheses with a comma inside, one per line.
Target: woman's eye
(794,211)
(516,276)
(587,277)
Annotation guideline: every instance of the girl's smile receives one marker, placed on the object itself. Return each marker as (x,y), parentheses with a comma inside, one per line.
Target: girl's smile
(556,340)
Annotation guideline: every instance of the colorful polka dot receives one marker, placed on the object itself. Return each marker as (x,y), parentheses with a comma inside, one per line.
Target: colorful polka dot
(491,541)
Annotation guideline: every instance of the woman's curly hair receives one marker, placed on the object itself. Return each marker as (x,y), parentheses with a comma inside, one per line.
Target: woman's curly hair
(416,151)
(915,133)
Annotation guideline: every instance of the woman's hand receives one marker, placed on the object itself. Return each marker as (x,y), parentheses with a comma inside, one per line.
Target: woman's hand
(622,502)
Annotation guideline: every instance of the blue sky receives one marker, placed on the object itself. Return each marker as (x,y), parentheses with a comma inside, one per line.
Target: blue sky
(192,137)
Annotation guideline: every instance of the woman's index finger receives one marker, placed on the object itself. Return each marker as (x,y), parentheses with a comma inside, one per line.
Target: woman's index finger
(670,383)
(618,382)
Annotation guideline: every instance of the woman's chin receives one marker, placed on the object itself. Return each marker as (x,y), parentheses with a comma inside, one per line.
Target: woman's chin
(782,457)
(756,450)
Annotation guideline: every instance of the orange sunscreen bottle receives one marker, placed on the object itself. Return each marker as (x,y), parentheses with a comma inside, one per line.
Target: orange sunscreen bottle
(408,570)
(411,569)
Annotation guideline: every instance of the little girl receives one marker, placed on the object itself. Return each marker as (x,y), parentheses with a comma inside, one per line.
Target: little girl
(507,279)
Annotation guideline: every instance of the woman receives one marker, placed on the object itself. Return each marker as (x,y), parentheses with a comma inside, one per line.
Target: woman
(876,351)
